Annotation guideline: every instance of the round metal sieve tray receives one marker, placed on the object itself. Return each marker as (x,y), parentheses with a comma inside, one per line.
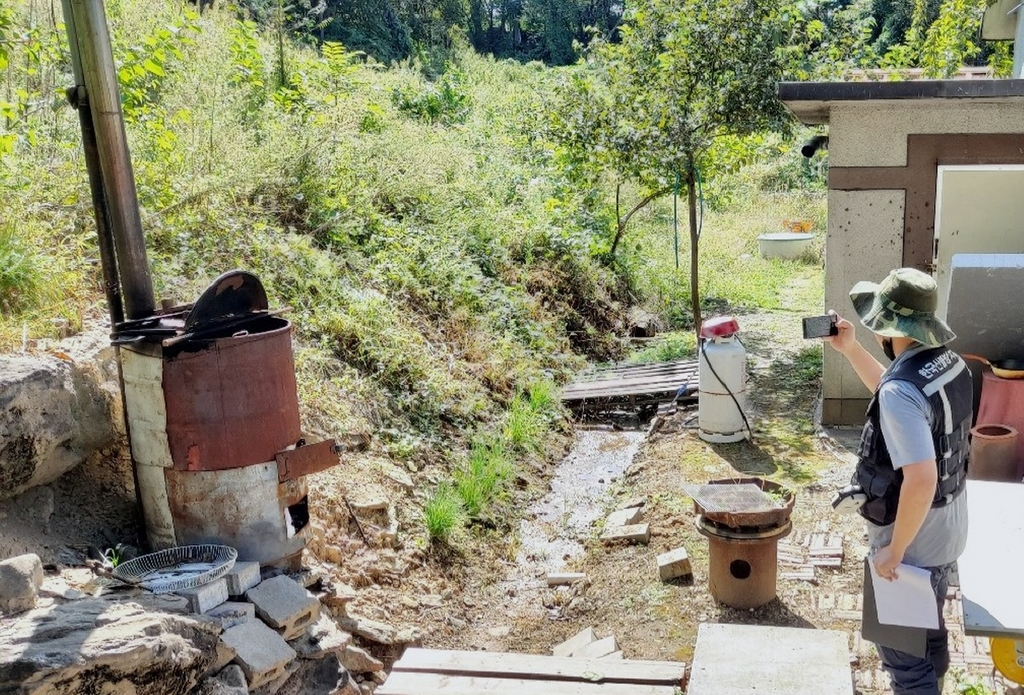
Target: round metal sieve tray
(175,569)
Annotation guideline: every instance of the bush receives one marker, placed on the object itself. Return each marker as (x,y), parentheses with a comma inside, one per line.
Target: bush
(443,515)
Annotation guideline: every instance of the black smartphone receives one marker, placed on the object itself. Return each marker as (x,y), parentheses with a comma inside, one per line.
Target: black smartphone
(820,326)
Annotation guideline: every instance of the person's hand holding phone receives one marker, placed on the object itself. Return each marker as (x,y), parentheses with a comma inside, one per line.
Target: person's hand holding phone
(846,336)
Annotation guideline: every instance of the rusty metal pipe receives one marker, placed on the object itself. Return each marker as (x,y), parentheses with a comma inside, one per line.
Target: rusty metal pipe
(91,39)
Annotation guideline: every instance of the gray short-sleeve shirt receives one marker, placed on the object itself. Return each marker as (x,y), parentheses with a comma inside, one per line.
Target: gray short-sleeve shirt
(906,421)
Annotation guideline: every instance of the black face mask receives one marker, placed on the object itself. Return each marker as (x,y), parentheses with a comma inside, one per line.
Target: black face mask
(887,349)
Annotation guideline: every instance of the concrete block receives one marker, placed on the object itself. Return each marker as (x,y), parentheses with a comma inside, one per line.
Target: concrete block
(600,648)
(203,598)
(232,613)
(284,605)
(242,577)
(634,533)
(575,643)
(262,653)
(20,579)
(560,578)
(674,564)
(624,517)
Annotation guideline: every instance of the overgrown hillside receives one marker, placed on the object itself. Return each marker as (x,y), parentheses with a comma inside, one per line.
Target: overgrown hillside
(444,263)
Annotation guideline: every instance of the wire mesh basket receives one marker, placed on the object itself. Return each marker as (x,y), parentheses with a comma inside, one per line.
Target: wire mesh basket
(175,569)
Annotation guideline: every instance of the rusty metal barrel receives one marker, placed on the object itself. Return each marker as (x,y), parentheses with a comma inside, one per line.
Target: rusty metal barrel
(213,415)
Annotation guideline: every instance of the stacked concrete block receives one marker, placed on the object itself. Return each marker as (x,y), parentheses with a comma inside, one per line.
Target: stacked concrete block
(242,577)
(232,613)
(206,596)
(285,605)
(261,652)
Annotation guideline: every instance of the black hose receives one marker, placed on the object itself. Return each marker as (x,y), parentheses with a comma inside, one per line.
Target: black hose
(704,351)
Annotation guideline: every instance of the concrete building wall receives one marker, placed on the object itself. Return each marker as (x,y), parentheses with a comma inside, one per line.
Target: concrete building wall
(864,242)
(866,227)
(874,134)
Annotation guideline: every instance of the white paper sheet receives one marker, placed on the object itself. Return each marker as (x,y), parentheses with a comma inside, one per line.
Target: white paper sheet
(907,600)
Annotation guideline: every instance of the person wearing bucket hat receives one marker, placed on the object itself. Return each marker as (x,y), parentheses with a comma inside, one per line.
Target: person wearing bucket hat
(912,459)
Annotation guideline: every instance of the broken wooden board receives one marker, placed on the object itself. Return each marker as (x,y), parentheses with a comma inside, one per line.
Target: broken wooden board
(630,386)
(430,671)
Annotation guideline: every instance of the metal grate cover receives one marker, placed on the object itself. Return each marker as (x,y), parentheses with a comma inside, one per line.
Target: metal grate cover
(174,569)
(745,497)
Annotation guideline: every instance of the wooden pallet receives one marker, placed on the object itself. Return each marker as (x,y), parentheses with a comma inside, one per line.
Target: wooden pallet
(630,385)
(430,671)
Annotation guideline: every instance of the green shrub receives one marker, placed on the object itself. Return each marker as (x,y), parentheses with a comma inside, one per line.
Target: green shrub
(484,476)
(443,514)
(444,101)
(22,273)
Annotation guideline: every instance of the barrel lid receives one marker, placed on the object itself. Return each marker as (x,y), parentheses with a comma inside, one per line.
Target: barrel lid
(719,327)
(234,293)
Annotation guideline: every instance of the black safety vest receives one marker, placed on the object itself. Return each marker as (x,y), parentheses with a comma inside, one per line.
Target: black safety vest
(946,383)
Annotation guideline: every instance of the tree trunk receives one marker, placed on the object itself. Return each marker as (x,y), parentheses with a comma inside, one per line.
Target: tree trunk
(691,190)
(623,221)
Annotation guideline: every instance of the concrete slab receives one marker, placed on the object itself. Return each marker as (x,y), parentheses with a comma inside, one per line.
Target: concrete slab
(242,577)
(206,597)
(576,642)
(634,533)
(262,653)
(755,659)
(285,605)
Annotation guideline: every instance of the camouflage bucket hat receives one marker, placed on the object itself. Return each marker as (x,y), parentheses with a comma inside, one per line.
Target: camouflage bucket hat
(902,305)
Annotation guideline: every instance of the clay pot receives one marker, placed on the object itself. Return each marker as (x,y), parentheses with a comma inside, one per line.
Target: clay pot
(993,453)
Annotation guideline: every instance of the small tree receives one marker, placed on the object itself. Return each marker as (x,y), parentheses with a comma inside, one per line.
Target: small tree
(649,108)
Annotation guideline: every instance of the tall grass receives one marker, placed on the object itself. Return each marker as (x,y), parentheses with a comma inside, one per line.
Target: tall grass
(443,514)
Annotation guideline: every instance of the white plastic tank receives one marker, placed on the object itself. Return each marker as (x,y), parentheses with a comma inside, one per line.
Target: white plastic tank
(722,403)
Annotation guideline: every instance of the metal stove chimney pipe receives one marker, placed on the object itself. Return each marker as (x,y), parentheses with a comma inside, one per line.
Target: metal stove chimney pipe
(79,100)
(90,39)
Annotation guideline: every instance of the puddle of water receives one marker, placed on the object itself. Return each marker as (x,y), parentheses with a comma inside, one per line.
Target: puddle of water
(555,526)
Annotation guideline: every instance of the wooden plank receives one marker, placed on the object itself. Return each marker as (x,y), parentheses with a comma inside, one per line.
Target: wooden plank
(620,394)
(532,666)
(622,390)
(687,372)
(406,683)
(660,367)
(639,384)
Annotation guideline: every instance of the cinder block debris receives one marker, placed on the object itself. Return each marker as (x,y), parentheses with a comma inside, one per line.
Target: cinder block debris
(262,653)
(232,613)
(598,649)
(359,660)
(674,564)
(624,517)
(575,643)
(242,577)
(560,578)
(284,605)
(203,598)
(634,533)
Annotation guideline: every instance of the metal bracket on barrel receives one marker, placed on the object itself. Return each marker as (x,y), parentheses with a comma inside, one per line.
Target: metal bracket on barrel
(306,459)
